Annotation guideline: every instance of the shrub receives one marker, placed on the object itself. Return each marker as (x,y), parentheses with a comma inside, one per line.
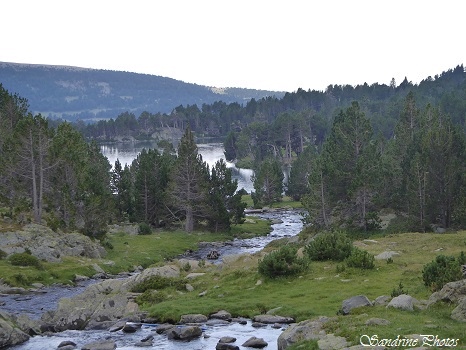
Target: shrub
(398,291)
(282,262)
(329,246)
(3,255)
(144,229)
(361,259)
(24,259)
(151,297)
(442,270)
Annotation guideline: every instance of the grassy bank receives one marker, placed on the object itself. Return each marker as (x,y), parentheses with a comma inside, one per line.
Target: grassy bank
(238,288)
(127,252)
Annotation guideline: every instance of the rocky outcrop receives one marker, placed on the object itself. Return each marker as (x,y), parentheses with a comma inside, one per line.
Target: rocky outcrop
(453,292)
(48,245)
(459,312)
(104,303)
(305,330)
(10,334)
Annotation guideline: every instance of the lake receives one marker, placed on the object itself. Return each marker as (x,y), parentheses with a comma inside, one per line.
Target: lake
(211,153)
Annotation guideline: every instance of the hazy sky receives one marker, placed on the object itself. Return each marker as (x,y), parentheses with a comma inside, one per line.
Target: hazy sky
(261,44)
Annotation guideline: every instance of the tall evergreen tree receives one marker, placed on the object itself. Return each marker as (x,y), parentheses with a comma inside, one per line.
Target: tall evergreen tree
(189,182)
(226,205)
(268,182)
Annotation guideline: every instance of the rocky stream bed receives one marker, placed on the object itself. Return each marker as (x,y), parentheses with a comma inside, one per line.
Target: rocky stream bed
(68,309)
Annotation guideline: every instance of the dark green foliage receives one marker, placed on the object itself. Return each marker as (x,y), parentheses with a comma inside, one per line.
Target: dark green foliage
(225,205)
(3,255)
(399,290)
(268,183)
(159,283)
(442,270)
(150,174)
(361,259)
(282,262)
(298,182)
(144,229)
(151,297)
(334,246)
(24,259)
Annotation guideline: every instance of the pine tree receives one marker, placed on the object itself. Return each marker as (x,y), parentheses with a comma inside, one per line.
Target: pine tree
(189,183)
(268,182)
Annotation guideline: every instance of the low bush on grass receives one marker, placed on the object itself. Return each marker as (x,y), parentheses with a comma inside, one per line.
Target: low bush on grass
(144,229)
(3,255)
(151,297)
(24,259)
(361,259)
(442,270)
(399,290)
(334,246)
(158,283)
(282,262)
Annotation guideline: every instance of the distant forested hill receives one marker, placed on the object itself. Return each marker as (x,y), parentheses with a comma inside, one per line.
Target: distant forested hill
(75,93)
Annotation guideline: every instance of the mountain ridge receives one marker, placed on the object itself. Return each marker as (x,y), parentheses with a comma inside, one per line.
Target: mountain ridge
(73,93)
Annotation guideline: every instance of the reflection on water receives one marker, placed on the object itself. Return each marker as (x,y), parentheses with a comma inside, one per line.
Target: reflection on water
(211,153)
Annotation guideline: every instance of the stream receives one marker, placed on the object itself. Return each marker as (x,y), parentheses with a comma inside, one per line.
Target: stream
(288,224)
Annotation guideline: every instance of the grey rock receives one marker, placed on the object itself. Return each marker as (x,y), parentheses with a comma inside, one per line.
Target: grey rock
(104,303)
(193,318)
(117,326)
(66,345)
(354,302)
(10,335)
(146,342)
(131,327)
(48,245)
(227,340)
(189,287)
(184,333)
(403,302)
(271,319)
(221,315)
(163,328)
(256,343)
(459,313)
(258,324)
(382,300)
(226,346)
(215,322)
(451,292)
(305,330)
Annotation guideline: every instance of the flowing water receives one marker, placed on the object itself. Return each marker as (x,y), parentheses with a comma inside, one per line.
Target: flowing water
(287,224)
(34,305)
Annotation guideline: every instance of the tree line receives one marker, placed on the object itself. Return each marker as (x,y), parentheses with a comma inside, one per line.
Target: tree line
(419,172)
(380,103)
(66,182)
